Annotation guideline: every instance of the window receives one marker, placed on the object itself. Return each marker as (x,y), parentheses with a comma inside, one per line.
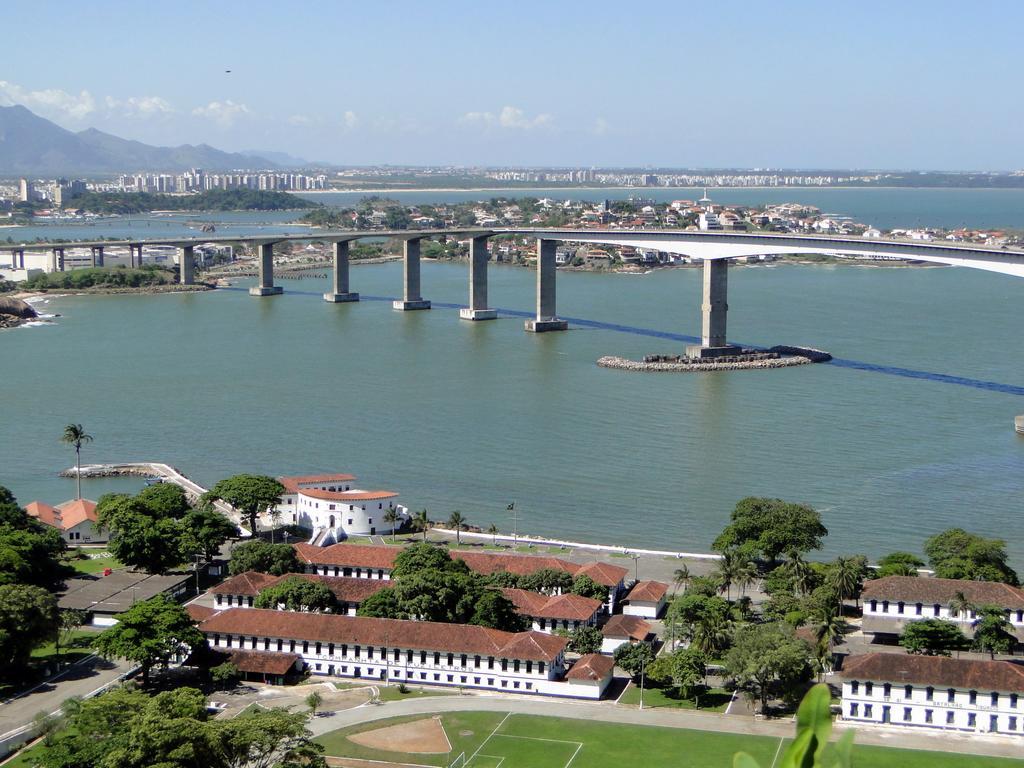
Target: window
(529,686)
(885,606)
(464,660)
(868,688)
(540,667)
(874,606)
(437,677)
(950,717)
(369,651)
(972,720)
(515,665)
(359,651)
(1013,701)
(907,716)
(935,609)
(855,710)
(973,697)
(995,699)
(855,687)
(951,695)
(437,657)
(867,710)
(529,667)
(917,609)
(887,690)
(266,643)
(490,681)
(476,662)
(908,691)
(927,715)
(476,681)
(408,657)
(451,679)
(305,646)
(490,662)
(317,665)
(899,607)
(993,723)
(398,655)
(515,684)
(318,646)
(929,693)
(1011,722)
(423,657)
(462,678)
(451,659)
(504,665)
(280,645)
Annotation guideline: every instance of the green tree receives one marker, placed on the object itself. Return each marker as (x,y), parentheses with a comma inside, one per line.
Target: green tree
(420,557)
(634,658)
(496,611)
(421,523)
(205,530)
(680,576)
(164,500)
(225,676)
(28,618)
(957,554)
(960,606)
(30,552)
(688,666)
(313,701)
(149,633)
(457,522)
(584,640)
(493,530)
(846,576)
(68,622)
(140,541)
(898,564)
(550,581)
(769,527)
(382,604)
(298,594)
(993,632)
(249,494)
(802,574)
(933,637)
(587,587)
(268,738)
(275,559)
(767,659)
(433,595)
(76,436)
(391,517)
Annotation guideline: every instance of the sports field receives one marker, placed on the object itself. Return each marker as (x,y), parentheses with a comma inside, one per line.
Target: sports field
(497,740)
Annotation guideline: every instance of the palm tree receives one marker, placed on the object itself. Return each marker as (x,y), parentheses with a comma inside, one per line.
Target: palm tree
(727,570)
(801,572)
(960,606)
(711,632)
(391,517)
(845,577)
(493,530)
(746,574)
(75,434)
(421,523)
(458,522)
(681,577)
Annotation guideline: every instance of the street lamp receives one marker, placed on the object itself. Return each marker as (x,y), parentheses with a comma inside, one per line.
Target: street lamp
(636,567)
(643,665)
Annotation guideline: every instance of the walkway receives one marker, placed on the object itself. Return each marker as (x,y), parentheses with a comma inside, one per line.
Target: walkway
(1001,746)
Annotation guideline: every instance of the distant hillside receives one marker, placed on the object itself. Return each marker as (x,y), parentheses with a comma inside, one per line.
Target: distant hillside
(32,145)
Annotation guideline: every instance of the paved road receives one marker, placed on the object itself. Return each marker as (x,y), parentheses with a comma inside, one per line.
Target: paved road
(77,680)
(1003,746)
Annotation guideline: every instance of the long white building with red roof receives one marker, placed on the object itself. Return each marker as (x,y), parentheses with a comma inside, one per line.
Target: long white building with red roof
(334,509)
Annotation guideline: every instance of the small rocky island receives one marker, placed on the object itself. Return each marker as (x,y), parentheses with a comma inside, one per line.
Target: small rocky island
(743,359)
(15,312)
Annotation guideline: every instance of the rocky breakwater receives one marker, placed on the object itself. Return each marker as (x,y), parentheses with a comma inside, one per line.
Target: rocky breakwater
(746,359)
(15,312)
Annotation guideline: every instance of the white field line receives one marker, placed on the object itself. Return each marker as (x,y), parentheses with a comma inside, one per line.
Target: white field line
(506,717)
(443,731)
(777,751)
(538,738)
(574,755)
(493,757)
(731,702)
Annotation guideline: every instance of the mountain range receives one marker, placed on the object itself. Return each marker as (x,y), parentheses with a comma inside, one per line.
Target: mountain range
(33,145)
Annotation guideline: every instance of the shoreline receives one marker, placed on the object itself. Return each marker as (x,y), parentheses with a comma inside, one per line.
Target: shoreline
(619,188)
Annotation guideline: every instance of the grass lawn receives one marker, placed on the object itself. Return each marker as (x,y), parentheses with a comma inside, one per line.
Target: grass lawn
(391,693)
(76,648)
(491,739)
(712,700)
(27,758)
(95,564)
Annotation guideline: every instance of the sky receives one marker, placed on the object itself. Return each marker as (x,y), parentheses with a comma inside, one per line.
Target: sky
(791,84)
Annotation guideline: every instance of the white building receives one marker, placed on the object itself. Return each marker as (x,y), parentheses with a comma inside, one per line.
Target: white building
(622,629)
(934,692)
(646,599)
(414,652)
(334,510)
(550,612)
(892,602)
(76,520)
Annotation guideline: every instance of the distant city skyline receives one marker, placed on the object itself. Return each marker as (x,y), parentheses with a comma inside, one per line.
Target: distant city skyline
(919,85)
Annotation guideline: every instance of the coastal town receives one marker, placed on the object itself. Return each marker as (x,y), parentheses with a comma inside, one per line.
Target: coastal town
(313,580)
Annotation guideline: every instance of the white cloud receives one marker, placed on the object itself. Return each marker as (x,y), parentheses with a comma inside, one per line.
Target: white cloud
(224,113)
(298,120)
(600,127)
(139,106)
(50,102)
(350,119)
(509,117)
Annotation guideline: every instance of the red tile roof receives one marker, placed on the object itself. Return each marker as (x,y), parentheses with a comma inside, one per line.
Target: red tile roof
(569,606)
(919,589)
(348,555)
(521,565)
(346,589)
(940,671)
(605,574)
(648,591)
(77,511)
(264,662)
(44,513)
(291,484)
(248,583)
(199,613)
(393,633)
(316,493)
(591,666)
(629,627)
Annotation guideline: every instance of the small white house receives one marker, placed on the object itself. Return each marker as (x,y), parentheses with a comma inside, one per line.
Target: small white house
(646,599)
(334,510)
(590,676)
(622,629)
(75,519)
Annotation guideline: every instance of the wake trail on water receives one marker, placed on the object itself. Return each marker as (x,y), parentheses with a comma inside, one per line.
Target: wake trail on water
(888,370)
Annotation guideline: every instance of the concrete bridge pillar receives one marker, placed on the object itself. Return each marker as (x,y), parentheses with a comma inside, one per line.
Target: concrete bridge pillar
(97,255)
(57,260)
(714,308)
(266,286)
(18,258)
(134,252)
(339,291)
(546,319)
(478,309)
(187,265)
(411,298)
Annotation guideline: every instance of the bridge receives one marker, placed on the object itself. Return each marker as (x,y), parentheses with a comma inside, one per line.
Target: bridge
(714,248)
